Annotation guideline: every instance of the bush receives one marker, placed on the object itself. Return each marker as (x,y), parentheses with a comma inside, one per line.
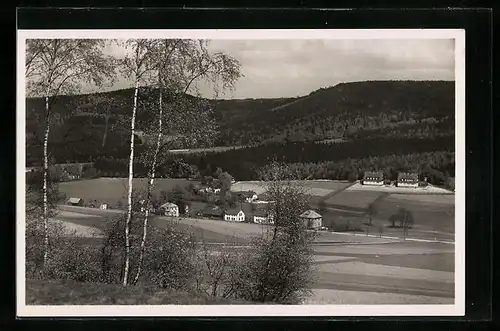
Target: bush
(168,259)
(75,262)
(217,270)
(67,259)
(278,272)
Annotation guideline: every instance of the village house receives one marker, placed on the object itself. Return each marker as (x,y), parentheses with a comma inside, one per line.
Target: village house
(169,209)
(262,217)
(312,219)
(103,206)
(75,201)
(373,178)
(234,215)
(407,179)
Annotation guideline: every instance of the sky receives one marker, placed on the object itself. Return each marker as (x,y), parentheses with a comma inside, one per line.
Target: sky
(290,68)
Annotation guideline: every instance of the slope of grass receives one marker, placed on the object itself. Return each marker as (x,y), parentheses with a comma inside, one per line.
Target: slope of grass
(40,292)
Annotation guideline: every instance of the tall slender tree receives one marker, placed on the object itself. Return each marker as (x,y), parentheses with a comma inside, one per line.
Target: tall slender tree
(135,66)
(62,66)
(179,65)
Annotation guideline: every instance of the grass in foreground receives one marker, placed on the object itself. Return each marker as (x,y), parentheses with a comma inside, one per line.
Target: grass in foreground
(42,292)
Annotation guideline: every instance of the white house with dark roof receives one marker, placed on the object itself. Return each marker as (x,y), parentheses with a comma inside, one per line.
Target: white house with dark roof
(373,178)
(262,217)
(234,215)
(407,179)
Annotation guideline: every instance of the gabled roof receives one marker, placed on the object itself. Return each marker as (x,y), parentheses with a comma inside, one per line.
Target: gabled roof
(311,214)
(371,174)
(168,205)
(408,175)
(261,213)
(233,211)
(75,200)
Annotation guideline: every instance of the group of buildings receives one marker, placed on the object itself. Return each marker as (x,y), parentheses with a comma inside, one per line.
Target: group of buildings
(405,179)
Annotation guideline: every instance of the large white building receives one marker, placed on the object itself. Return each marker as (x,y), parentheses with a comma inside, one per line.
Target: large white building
(407,179)
(234,215)
(373,178)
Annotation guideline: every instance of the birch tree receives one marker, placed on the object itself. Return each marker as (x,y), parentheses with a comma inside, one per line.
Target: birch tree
(179,66)
(61,66)
(136,66)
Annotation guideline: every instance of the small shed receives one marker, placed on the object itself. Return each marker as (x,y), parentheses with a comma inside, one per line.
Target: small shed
(312,219)
(75,201)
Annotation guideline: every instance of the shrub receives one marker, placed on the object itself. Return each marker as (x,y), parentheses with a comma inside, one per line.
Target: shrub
(67,259)
(168,259)
(217,270)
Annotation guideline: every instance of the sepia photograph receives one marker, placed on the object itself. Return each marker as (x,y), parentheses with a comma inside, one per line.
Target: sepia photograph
(240,172)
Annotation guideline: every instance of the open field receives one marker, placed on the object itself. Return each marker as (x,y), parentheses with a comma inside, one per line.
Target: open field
(319,188)
(354,200)
(343,297)
(112,190)
(437,215)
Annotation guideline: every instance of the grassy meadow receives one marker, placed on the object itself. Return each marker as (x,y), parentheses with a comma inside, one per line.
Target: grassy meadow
(113,190)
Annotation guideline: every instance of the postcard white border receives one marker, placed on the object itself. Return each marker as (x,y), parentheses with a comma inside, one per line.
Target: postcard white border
(456,309)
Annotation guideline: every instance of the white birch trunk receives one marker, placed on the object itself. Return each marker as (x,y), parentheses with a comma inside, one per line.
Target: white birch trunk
(150,188)
(130,178)
(45,188)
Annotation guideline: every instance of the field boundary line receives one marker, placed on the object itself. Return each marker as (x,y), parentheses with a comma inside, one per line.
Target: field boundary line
(396,238)
(329,195)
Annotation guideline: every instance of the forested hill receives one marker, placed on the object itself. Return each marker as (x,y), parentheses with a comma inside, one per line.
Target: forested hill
(353,111)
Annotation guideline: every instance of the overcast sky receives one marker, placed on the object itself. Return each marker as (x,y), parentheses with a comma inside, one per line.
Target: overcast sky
(288,68)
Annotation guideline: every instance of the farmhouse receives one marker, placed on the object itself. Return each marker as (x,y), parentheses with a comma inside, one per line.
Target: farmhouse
(312,219)
(262,217)
(407,179)
(373,178)
(169,209)
(75,201)
(234,215)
